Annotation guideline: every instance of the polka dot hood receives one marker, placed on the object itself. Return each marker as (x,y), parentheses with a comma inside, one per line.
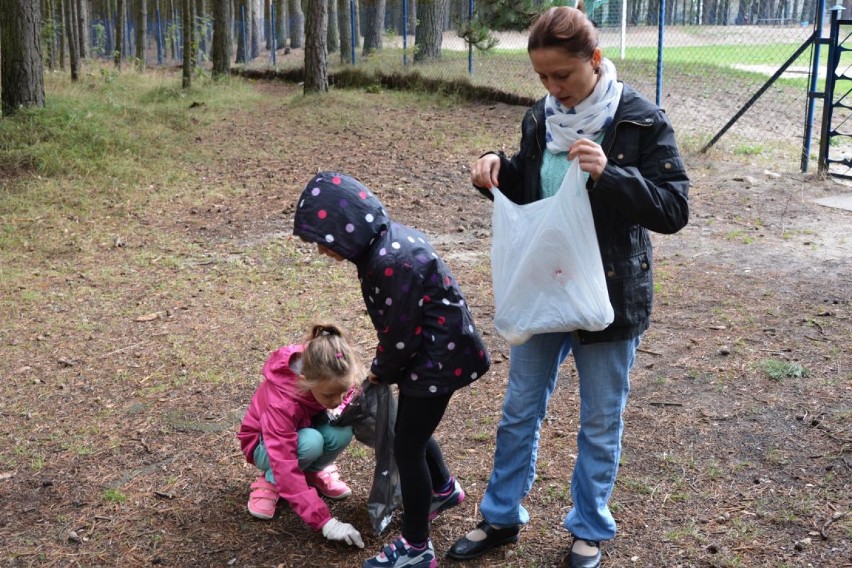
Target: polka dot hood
(337,211)
(428,343)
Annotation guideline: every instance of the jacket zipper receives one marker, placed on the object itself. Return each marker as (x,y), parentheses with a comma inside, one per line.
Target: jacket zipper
(537,141)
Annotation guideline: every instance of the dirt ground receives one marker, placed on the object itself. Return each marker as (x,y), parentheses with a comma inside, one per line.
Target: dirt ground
(738,438)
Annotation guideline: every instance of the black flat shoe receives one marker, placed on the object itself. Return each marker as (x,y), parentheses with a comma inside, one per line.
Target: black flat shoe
(583,561)
(465,549)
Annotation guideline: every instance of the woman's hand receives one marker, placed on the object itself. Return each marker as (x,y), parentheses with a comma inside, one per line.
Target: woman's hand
(484,171)
(590,155)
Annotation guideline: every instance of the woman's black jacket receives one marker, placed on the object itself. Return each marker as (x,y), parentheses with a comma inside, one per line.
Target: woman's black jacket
(644,187)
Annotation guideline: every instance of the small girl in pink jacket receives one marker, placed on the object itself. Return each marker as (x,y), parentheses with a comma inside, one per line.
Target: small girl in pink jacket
(286,434)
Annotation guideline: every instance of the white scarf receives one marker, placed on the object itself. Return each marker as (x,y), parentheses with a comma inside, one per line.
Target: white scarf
(587,119)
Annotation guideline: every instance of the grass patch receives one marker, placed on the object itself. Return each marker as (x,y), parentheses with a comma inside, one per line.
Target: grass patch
(778,370)
(101,148)
(359,451)
(114,496)
(723,55)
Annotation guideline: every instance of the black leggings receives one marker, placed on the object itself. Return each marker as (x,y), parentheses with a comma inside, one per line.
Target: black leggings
(418,457)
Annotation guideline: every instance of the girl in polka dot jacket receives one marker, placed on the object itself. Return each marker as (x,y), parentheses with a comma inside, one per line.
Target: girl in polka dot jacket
(428,344)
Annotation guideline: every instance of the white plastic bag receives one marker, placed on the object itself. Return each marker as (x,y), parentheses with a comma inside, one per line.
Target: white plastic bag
(546,265)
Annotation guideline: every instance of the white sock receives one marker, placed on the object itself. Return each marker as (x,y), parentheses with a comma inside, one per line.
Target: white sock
(583,549)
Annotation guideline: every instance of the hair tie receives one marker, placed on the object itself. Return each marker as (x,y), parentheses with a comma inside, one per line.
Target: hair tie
(339,355)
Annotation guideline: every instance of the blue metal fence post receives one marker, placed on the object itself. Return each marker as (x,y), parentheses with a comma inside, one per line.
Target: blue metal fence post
(470,44)
(813,84)
(661,26)
(353,39)
(404,33)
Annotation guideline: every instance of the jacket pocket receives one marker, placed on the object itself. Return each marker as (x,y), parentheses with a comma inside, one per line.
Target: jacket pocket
(630,285)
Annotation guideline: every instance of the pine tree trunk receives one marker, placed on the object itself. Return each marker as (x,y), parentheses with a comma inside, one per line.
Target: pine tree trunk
(202,31)
(83,27)
(374,24)
(241,26)
(281,22)
(60,32)
(316,52)
(186,26)
(739,19)
(393,16)
(71,39)
(221,51)
(267,22)
(333,32)
(357,22)
(172,28)
(344,25)
(141,32)
(50,43)
(256,29)
(21,67)
(431,15)
(120,30)
(297,23)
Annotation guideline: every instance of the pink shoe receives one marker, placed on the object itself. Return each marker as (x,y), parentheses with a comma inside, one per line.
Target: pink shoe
(262,499)
(328,483)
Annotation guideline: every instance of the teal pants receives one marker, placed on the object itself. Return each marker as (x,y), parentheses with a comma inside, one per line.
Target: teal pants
(319,446)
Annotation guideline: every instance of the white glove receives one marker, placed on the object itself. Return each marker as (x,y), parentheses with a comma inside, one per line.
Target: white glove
(335,530)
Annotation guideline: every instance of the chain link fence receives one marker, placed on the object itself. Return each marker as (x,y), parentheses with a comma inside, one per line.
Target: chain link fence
(703,68)
(704,65)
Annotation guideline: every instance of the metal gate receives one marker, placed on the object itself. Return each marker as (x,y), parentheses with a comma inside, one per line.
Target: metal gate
(835,151)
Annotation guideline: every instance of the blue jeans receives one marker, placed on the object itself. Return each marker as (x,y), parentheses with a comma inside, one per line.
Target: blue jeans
(318,447)
(603,370)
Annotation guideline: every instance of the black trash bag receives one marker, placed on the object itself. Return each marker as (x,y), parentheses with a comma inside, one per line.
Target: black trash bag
(373,417)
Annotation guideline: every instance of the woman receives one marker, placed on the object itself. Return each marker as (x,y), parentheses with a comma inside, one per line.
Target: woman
(637,183)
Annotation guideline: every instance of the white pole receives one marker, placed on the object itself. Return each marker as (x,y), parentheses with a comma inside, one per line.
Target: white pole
(623,25)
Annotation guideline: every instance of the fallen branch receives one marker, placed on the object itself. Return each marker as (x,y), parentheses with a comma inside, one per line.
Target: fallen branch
(649,352)
(835,517)
(119,350)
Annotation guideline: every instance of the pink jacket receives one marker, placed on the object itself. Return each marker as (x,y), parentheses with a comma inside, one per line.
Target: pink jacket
(278,410)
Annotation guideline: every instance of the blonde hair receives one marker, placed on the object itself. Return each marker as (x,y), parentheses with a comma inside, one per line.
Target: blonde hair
(328,356)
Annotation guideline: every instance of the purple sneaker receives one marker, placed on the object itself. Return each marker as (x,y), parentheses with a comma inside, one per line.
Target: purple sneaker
(443,501)
(400,554)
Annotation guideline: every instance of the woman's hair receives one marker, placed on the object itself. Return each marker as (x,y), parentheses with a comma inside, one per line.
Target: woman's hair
(328,357)
(566,28)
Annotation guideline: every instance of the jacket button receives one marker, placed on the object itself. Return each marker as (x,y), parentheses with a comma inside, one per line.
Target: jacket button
(620,156)
(667,165)
(644,266)
(610,274)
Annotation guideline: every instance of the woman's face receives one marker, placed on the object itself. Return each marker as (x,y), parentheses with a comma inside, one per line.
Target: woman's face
(567,77)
